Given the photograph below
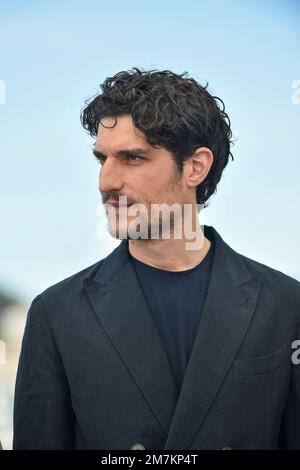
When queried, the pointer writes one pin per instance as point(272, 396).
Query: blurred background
point(53, 56)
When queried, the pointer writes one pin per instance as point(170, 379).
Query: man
point(170, 342)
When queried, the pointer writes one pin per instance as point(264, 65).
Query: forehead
point(121, 134)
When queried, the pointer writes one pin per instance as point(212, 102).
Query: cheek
point(153, 186)
point(142, 186)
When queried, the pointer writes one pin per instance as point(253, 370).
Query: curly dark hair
point(173, 111)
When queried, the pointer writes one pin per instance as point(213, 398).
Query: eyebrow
point(123, 152)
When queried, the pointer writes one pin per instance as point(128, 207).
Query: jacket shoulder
point(70, 284)
point(277, 278)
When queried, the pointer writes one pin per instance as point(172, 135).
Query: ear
point(197, 166)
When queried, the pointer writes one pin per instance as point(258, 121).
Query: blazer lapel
point(119, 304)
point(228, 309)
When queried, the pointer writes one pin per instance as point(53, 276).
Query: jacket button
point(227, 448)
point(137, 447)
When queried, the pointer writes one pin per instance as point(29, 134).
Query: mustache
point(115, 198)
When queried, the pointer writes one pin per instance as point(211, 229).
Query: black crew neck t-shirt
point(175, 300)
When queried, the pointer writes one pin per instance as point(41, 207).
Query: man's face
point(148, 176)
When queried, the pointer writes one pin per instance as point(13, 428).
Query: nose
point(110, 177)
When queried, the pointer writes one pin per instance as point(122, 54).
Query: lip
point(117, 205)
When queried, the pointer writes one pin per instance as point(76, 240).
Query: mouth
point(120, 206)
point(116, 205)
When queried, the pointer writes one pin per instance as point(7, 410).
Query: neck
point(172, 254)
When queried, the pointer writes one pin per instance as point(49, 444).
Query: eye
point(129, 157)
point(134, 157)
point(99, 159)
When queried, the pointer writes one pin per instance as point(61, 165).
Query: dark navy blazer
point(93, 373)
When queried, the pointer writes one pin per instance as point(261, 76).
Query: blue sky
point(55, 54)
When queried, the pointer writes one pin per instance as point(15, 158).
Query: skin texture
point(151, 180)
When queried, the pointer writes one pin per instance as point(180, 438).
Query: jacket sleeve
point(43, 415)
